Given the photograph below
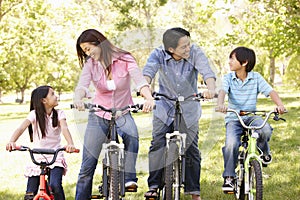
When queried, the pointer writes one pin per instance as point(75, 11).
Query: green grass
point(281, 178)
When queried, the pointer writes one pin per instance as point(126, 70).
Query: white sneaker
point(131, 184)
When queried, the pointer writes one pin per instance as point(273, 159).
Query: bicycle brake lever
point(276, 118)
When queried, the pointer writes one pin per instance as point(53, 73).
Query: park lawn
point(281, 178)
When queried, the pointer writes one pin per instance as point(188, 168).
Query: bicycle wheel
point(255, 181)
point(172, 176)
point(114, 176)
point(104, 189)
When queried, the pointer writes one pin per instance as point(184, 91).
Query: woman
point(110, 69)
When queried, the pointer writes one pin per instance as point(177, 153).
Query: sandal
point(152, 193)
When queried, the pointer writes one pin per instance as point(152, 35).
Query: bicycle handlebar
point(43, 151)
point(194, 97)
point(243, 113)
point(90, 106)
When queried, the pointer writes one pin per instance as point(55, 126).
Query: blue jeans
point(55, 183)
point(234, 130)
point(157, 156)
point(95, 136)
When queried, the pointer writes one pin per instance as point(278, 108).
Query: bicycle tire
point(255, 181)
point(104, 189)
point(114, 176)
point(171, 161)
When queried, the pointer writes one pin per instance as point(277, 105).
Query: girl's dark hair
point(36, 103)
point(243, 55)
point(172, 36)
point(94, 37)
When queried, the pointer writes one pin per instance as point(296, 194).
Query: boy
point(242, 87)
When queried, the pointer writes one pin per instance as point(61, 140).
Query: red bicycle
point(45, 189)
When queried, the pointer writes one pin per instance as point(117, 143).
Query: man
point(178, 64)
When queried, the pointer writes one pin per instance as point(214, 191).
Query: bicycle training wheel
point(255, 182)
point(172, 173)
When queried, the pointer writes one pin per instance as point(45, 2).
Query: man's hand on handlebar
point(209, 94)
point(221, 108)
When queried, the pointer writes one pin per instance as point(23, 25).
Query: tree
point(292, 73)
point(270, 25)
point(5, 8)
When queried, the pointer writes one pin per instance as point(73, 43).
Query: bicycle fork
point(113, 148)
point(180, 138)
point(251, 155)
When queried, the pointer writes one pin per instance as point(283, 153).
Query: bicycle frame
point(113, 177)
point(175, 166)
point(250, 157)
point(45, 190)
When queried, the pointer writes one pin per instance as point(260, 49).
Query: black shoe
point(228, 185)
point(266, 159)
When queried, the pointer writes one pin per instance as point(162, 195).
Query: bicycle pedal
point(151, 198)
point(96, 196)
point(131, 189)
point(228, 192)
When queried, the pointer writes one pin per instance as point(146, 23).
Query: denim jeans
point(157, 156)
point(95, 136)
point(55, 183)
point(234, 130)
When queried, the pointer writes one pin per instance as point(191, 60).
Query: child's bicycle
point(174, 170)
point(249, 181)
point(113, 177)
point(45, 189)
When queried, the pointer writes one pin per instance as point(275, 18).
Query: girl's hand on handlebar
point(10, 146)
point(70, 148)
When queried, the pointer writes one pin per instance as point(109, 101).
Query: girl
point(47, 123)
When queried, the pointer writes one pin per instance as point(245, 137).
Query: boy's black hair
point(172, 36)
point(243, 55)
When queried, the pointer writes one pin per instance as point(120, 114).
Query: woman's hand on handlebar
point(148, 105)
point(79, 105)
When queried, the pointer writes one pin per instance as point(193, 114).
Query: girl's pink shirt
point(123, 70)
point(51, 141)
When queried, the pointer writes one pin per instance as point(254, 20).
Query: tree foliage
point(292, 73)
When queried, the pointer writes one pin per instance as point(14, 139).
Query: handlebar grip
point(76, 151)
point(20, 148)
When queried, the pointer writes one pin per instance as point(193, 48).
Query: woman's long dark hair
point(98, 39)
point(36, 103)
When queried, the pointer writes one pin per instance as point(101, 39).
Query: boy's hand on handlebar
point(280, 109)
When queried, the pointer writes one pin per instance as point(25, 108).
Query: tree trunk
point(1, 96)
point(22, 96)
point(272, 69)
